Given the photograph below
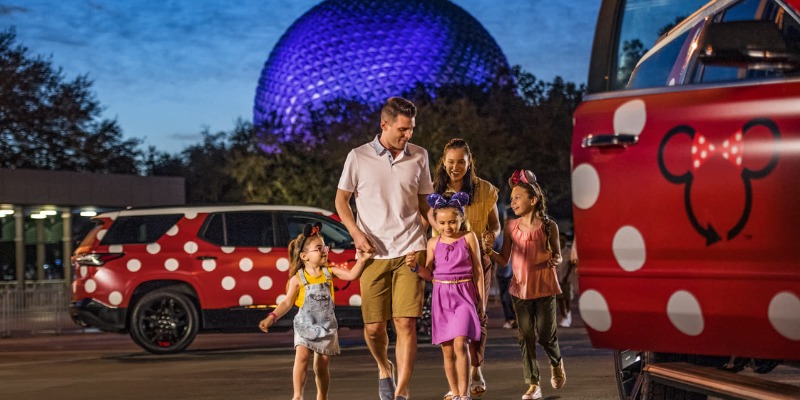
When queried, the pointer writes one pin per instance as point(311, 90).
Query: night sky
point(165, 70)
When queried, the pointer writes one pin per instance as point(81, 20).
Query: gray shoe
point(386, 386)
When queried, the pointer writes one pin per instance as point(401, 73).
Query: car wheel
point(632, 383)
point(164, 322)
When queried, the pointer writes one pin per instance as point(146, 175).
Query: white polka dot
point(265, 249)
point(701, 139)
point(245, 300)
point(280, 298)
point(594, 310)
point(337, 251)
point(630, 118)
point(190, 247)
point(115, 248)
point(173, 231)
point(134, 265)
point(209, 265)
point(684, 312)
point(153, 248)
point(265, 283)
point(694, 149)
point(83, 271)
point(246, 264)
point(90, 286)
point(696, 164)
point(228, 249)
point(585, 186)
point(101, 234)
point(190, 215)
point(784, 315)
point(282, 264)
point(355, 300)
point(629, 248)
point(228, 283)
point(115, 298)
point(171, 264)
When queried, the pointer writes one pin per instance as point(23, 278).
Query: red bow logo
point(730, 149)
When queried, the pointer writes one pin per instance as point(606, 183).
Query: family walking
point(389, 180)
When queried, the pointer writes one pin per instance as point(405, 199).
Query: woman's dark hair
point(441, 178)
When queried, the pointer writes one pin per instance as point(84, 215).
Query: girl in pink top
point(531, 242)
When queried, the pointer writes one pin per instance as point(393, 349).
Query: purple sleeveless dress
point(453, 310)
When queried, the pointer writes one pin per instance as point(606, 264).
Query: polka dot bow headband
point(458, 200)
point(522, 176)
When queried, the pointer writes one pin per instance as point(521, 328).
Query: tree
point(48, 122)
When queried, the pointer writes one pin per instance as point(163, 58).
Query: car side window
point(655, 71)
point(240, 229)
point(335, 235)
point(139, 229)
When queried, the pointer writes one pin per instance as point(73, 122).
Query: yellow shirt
point(477, 212)
point(301, 294)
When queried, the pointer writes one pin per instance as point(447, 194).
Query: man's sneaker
point(533, 393)
point(567, 321)
point(558, 376)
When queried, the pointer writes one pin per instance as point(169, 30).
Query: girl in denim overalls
point(310, 288)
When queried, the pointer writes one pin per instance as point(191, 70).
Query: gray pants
point(536, 319)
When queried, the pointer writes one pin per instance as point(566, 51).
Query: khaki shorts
point(390, 290)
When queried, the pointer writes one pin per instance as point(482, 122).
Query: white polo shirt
point(386, 192)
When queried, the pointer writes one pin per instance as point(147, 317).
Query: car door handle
point(610, 140)
point(206, 258)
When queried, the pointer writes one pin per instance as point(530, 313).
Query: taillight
point(96, 259)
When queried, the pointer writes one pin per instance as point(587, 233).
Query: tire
point(164, 322)
point(632, 384)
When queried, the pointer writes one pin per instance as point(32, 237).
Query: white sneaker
point(535, 392)
point(507, 325)
point(567, 321)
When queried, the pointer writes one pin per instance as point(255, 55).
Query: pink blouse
point(533, 276)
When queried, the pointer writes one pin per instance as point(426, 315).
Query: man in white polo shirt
point(390, 179)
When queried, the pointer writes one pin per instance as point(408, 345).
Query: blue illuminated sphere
point(370, 50)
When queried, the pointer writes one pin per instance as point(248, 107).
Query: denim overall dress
point(315, 325)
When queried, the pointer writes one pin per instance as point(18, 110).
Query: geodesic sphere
point(369, 51)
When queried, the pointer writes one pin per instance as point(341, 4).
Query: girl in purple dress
point(453, 263)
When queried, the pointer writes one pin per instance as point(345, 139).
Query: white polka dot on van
point(265, 249)
point(355, 300)
point(630, 118)
point(282, 264)
point(173, 231)
point(245, 264)
point(784, 314)
point(594, 310)
point(153, 248)
point(629, 248)
point(101, 234)
point(209, 265)
point(245, 300)
point(171, 264)
point(265, 283)
point(227, 249)
point(337, 251)
point(115, 248)
point(90, 286)
point(685, 313)
point(134, 265)
point(83, 271)
point(585, 186)
point(190, 247)
point(228, 283)
point(115, 298)
point(280, 298)
point(190, 215)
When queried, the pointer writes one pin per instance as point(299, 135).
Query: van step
point(717, 382)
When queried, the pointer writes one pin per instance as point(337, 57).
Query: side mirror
point(748, 44)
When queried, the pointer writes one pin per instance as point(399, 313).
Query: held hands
point(363, 243)
point(411, 261)
point(487, 241)
point(364, 255)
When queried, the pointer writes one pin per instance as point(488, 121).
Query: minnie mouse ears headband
point(309, 231)
point(522, 176)
point(458, 200)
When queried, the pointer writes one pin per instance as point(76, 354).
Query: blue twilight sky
point(167, 69)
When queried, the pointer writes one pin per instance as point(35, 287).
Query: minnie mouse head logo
point(717, 175)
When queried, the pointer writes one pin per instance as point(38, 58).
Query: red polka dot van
point(165, 274)
point(686, 153)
